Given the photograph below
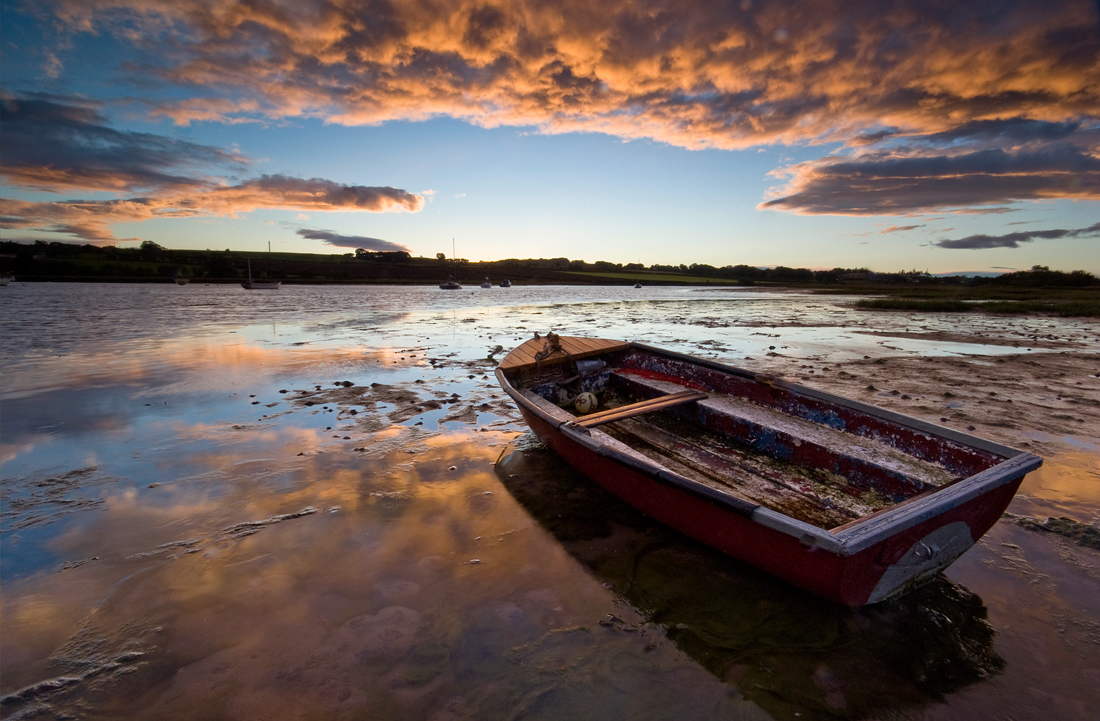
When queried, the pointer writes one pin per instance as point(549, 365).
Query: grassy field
point(646, 275)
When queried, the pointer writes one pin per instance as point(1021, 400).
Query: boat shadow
point(793, 654)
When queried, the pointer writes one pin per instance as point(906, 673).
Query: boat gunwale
point(846, 540)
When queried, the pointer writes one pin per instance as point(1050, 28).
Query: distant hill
point(970, 274)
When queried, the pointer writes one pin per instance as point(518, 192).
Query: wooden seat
point(637, 409)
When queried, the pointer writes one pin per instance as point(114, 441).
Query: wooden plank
point(574, 347)
point(783, 491)
point(636, 409)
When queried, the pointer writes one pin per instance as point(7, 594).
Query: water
point(180, 538)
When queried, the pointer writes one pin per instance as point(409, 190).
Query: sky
point(912, 135)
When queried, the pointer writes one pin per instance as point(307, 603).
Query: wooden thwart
point(636, 409)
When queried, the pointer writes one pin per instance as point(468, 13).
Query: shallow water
point(180, 538)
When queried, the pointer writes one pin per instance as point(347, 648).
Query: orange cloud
point(693, 74)
point(90, 220)
point(896, 84)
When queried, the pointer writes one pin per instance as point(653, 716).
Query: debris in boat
point(585, 403)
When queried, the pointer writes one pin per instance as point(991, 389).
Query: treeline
point(1040, 276)
point(152, 262)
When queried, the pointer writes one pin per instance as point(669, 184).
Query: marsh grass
point(1067, 309)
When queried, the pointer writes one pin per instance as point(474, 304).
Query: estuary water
point(315, 502)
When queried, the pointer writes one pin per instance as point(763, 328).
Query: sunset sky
point(941, 136)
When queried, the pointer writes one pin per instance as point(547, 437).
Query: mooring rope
point(551, 344)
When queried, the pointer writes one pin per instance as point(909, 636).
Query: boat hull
point(868, 561)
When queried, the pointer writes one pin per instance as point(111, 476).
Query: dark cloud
point(350, 241)
point(1018, 129)
point(892, 182)
point(1013, 240)
point(57, 146)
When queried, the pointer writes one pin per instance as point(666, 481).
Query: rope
point(550, 345)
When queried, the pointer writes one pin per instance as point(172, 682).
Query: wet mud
point(1083, 534)
point(322, 505)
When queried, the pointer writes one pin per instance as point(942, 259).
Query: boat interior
point(766, 441)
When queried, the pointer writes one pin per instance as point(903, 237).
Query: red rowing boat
point(848, 501)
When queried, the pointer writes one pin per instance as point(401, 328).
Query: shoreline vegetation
point(1039, 290)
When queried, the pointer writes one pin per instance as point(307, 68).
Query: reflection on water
point(787, 651)
point(218, 504)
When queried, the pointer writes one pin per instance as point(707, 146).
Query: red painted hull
point(848, 580)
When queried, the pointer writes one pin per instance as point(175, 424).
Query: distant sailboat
point(452, 282)
point(5, 279)
point(637, 285)
point(485, 283)
point(259, 285)
point(505, 283)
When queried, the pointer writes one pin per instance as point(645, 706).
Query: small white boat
point(637, 285)
point(259, 285)
point(485, 283)
point(5, 279)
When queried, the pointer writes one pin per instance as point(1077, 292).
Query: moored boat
point(452, 281)
point(505, 283)
point(485, 283)
point(852, 502)
point(257, 284)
